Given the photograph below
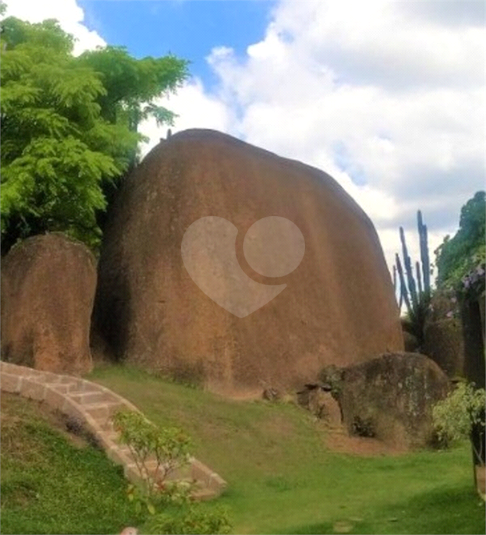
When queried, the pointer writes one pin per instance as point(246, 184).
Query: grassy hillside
point(53, 481)
point(283, 479)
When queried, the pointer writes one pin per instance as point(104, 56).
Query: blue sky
point(188, 29)
point(387, 96)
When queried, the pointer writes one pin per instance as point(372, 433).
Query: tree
point(131, 89)
point(459, 255)
point(132, 85)
point(69, 127)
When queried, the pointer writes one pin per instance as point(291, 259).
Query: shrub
point(455, 416)
point(190, 519)
point(170, 448)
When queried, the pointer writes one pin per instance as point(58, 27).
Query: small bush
point(189, 519)
point(456, 415)
point(170, 447)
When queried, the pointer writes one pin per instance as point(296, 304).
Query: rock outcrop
point(48, 288)
point(337, 306)
point(444, 344)
point(321, 402)
point(443, 334)
point(391, 398)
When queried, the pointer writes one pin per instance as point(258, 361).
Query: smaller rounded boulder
point(391, 398)
point(48, 287)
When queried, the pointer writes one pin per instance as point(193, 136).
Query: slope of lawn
point(282, 478)
point(54, 482)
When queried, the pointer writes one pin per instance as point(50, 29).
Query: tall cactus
point(419, 278)
point(403, 287)
point(424, 251)
point(412, 288)
point(395, 286)
point(414, 283)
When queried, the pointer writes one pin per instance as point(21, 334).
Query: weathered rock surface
point(410, 342)
point(444, 344)
point(48, 287)
point(317, 399)
point(391, 398)
point(338, 306)
point(443, 333)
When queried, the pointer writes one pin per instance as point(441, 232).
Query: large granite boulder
point(391, 398)
point(48, 287)
point(337, 307)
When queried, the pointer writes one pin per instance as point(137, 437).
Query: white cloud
point(386, 97)
point(67, 12)
point(195, 109)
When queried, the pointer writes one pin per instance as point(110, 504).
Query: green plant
point(191, 519)
point(456, 415)
point(415, 288)
point(168, 448)
point(459, 255)
point(69, 127)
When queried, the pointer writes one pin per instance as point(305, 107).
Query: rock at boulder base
point(337, 307)
point(410, 342)
point(391, 398)
point(321, 403)
point(48, 287)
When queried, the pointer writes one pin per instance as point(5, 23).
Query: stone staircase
point(91, 406)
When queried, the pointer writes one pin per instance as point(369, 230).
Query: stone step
point(45, 377)
point(112, 436)
point(54, 378)
point(86, 386)
point(103, 411)
point(107, 426)
point(89, 398)
point(64, 387)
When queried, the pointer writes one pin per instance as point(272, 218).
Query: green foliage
point(69, 127)
point(168, 446)
point(455, 416)
point(132, 85)
point(459, 255)
point(189, 520)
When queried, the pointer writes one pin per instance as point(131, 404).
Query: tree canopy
point(70, 126)
point(460, 254)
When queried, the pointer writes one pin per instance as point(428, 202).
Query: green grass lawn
point(283, 479)
point(281, 476)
